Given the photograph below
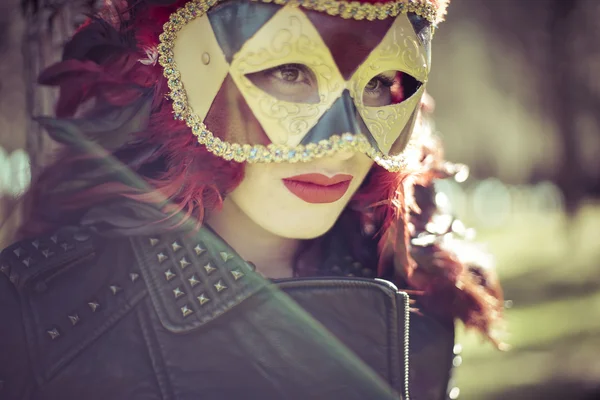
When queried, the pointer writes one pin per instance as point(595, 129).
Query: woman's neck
point(273, 255)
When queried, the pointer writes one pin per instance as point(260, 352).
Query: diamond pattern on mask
point(400, 50)
point(236, 22)
point(287, 38)
point(201, 63)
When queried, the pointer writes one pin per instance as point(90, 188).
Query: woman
point(230, 252)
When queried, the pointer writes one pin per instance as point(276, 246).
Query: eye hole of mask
point(389, 87)
point(295, 83)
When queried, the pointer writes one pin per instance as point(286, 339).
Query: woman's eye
point(289, 74)
point(373, 84)
point(378, 91)
point(380, 83)
point(288, 82)
point(389, 87)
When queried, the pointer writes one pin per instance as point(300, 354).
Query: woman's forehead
point(349, 41)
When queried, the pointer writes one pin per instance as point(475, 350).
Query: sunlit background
point(518, 100)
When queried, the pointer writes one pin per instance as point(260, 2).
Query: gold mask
point(197, 67)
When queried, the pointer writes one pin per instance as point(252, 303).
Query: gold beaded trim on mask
point(359, 11)
point(302, 153)
point(276, 153)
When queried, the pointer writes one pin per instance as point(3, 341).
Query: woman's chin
point(304, 231)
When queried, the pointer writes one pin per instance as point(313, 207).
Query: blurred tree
point(516, 81)
point(49, 24)
point(568, 98)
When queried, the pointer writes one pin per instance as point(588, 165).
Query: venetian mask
point(301, 91)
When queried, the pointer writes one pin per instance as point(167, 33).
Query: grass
point(549, 266)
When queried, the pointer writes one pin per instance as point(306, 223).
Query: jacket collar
point(193, 278)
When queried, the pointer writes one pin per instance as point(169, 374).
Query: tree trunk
point(571, 174)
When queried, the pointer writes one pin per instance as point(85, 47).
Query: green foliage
point(549, 268)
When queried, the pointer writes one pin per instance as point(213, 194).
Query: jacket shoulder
point(28, 258)
point(15, 371)
point(66, 289)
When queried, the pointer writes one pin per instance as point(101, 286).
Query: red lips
point(318, 188)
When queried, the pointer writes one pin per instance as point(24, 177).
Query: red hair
point(192, 180)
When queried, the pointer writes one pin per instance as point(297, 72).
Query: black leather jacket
point(180, 317)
